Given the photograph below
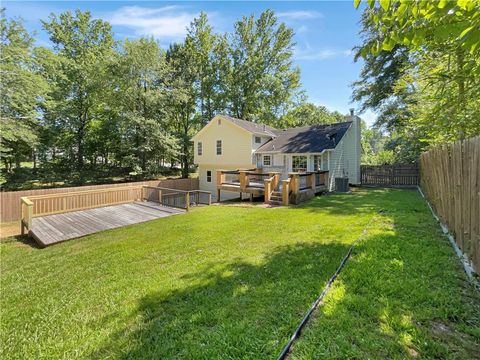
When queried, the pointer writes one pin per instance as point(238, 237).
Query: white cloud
point(300, 15)
point(311, 54)
point(164, 22)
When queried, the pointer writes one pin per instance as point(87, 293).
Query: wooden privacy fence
point(451, 182)
point(42, 205)
point(401, 175)
point(10, 201)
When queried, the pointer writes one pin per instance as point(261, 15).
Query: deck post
point(30, 216)
point(187, 200)
point(285, 192)
point(220, 177)
point(159, 196)
point(312, 180)
point(209, 198)
point(242, 176)
point(267, 187)
point(294, 183)
point(218, 195)
point(22, 224)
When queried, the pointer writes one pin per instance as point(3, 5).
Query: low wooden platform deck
point(52, 229)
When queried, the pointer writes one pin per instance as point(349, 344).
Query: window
point(219, 147)
point(258, 140)
point(199, 148)
point(267, 160)
point(299, 163)
point(209, 176)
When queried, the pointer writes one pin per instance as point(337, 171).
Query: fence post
point(187, 200)
point(209, 198)
point(159, 196)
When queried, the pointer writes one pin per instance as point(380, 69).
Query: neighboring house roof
point(255, 128)
point(306, 139)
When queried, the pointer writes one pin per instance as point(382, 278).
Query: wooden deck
point(52, 229)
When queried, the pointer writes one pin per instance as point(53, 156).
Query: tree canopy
point(421, 72)
point(89, 107)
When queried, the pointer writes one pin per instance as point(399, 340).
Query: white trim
point(270, 157)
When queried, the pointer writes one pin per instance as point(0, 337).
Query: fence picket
point(10, 209)
point(450, 179)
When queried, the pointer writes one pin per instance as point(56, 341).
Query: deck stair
point(276, 198)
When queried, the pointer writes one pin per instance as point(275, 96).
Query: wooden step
point(275, 202)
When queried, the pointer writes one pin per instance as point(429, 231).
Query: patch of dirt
point(413, 353)
point(9, 229)
point(456, 339)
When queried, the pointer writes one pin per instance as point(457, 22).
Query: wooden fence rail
point(10, 201)
point(401, 175)
point(451, 182)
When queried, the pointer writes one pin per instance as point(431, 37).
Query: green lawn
point(231, 282)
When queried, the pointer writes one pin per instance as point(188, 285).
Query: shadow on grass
point(240, 310)
point(403, 293)
point(21, 239)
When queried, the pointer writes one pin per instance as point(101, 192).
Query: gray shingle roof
point(306, 139)
point(253, 127)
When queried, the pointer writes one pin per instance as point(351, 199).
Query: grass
point(227, 282)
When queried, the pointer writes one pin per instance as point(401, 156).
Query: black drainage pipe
point(300, 326)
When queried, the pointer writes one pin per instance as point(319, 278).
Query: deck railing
point(42, 205)
point(315, 180)
point(249, 181)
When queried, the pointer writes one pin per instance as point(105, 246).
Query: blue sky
point(325, 33)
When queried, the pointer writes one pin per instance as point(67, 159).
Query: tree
point(141, 72)
point(86, 46)
point(202, 44)
point(22, 90)
point(417, 24)
point(421, 71)
point(261, 79)
point(181, 99)
point(309, 114)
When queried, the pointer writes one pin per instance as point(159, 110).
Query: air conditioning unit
point(341, 184)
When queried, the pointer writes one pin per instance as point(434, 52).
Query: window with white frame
point(219, 147)
point(209, 176)
point(299, 163)
point(258, 140)
point(267, 160)
point(199, 148)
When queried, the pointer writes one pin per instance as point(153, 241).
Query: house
point(228, 150)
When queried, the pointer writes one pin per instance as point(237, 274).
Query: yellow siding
point(212, 185)
point(236, 145)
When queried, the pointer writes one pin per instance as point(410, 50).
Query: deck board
point(52, 229)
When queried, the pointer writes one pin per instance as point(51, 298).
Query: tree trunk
point(80, 138)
